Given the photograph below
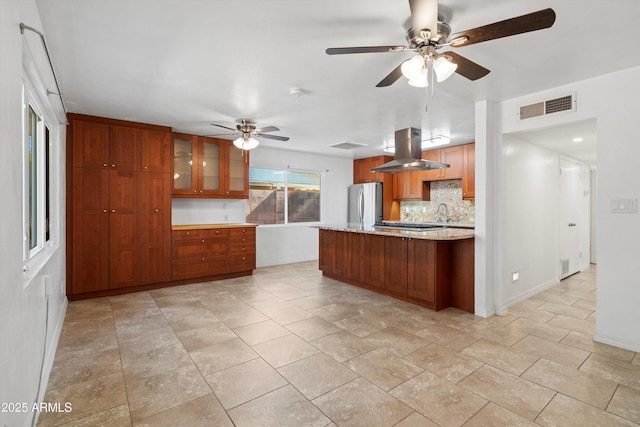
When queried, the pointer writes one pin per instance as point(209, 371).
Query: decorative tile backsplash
point(447, 192)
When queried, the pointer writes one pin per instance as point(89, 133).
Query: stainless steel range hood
point(408, 155)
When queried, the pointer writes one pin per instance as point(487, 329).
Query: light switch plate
point(624, 205)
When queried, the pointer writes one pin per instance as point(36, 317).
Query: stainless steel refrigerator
point(365, 203)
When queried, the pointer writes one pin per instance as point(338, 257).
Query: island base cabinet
point(427, 271)
point(432, 273)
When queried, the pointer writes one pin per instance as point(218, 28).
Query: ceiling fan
point(428, 35)
point(247, 130)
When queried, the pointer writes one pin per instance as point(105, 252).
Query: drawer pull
point(188, 232)
point(202, 240)
point(244, 240)
point(217, 231)
point(244, 230)
point(202, 259)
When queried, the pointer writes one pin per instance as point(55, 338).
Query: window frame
point(44, 168)
point(286, 172)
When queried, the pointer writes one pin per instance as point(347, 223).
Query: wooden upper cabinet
point(124, 148)
point(453, 156)
point(90, 144)
point(209, 167)
point(184, 175)
point(156, 151)
point(410, 185)
point(469, 175)
point(362, 169)
point(236, 178)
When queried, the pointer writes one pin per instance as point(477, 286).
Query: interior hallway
point(288, 347)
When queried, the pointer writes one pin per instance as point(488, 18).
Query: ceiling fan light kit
point(248, 133)
point(428, 35)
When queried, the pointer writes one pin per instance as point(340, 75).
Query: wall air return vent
point(550, 106)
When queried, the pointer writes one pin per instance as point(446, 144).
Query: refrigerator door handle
point(361, 205)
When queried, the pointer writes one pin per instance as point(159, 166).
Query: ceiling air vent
point(347, 145)
point(550, 106)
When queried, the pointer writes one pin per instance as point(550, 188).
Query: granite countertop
point(211, 226)
point(445, 233)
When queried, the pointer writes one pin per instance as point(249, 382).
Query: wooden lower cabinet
point(395, 265)
point(212, 252)
point(433, 273)
point(374, 260)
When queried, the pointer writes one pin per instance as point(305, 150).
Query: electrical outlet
point(515, 276)
point(226, 218)
point(424, 209)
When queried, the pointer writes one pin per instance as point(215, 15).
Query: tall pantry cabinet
point(118, 204)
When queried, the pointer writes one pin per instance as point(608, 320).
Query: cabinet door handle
point(104, 165)
point(202, 240)
point(105, 211)
point(244, 240)
point(157, 210)
point(145, 168)
point(188, 232)
point(217, 231)
point(244, 230)
point(202, 259)
point(243, 249)
point(113, 211)
point(113, 166)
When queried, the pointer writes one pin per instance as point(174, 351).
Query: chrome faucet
point(446, 212)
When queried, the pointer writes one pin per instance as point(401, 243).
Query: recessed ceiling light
point(578, 139)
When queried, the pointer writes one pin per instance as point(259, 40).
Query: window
point(36, 175)
point(283, 196)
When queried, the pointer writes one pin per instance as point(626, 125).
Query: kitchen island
point(432, 268)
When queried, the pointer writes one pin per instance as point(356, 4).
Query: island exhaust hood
point(408, 156)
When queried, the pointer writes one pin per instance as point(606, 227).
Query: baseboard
point(271, 263)
point(616, 342)
point(50, 353)
point(531, 292)
point(483, 313)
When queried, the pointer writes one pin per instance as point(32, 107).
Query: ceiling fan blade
point(424, 15)
point(267, 129)
point(225, 127)
point(391, 77)
point(521, 24)
point(364, 49)
point(466, 67)
point(279, 138)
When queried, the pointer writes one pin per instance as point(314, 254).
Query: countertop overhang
point(211, 226)
point(443, 233)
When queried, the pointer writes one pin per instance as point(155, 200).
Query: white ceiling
point(189, 63)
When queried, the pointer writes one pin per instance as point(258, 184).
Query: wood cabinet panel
point(355, 265)
point(155, 221)
point(395, 265)
point(469, 174)
point(90, 144)
point(124, 148)
point(191, 268)
point(410, 186)
point(90, 242)
point(362, 174)
point(326, 252)
point(453, 157)
point(124, 229)
point(421, 258)
point(434, 156)
point(156, 151)
point(374, 260)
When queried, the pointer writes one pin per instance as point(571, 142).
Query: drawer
point(243, 247)
point(247, 232)
point(199, 248)
point(186, 234)
point(243, 262)
point(208, 266)
point(215, 232)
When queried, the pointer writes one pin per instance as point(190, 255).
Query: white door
point(573, 217)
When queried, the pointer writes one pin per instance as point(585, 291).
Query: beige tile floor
point(288, 347)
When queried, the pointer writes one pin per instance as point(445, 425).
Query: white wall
point(31, 300)
point(282, 244)
point(206, 211)
point(610, 100)
point(531, 234)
